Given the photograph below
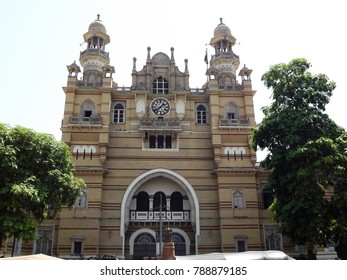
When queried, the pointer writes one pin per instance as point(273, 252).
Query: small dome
point(97, 25)
point(222, 29)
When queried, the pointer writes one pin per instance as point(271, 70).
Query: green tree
point(36, 180)
point(307, 155)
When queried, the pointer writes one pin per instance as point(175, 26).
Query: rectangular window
point(168, 139)
point(238, 200)
point(157, 141)
point(241, 243)
point(88, 113)
point(81, 201)
point(160, 142)
point(77, 248)
point(44, 243)
point(231, 116)
point(273, 238)
point(152, 141)
point(77, 244)
point(267, 197)
point(241, 246)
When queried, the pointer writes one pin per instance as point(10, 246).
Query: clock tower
point(158, 154)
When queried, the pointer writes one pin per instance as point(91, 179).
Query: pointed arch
point(231, 111)
point(87, 108)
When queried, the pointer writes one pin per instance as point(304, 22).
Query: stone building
point(159, 153)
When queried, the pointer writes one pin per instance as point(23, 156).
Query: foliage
point(307, 155)
point(36, 180)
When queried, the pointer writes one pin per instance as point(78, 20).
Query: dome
point(222, 29)
point(97, 25)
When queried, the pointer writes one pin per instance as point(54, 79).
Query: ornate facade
point(159, 153)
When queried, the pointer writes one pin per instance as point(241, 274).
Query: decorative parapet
point(85, 121)
point(144, 216)
point(158, 124)
point(233, 122)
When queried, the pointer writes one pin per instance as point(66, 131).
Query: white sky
point(39, 38)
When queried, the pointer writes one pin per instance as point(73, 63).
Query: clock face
point(160, 106)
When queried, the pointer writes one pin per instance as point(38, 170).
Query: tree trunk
point(1, 237)
point(310, 254)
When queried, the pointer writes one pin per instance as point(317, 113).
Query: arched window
point(180, 244)
point(201, 115)
point(238, 200)
point(144, 246)
point(159, 200)
point(142, 201)
point(176, 201)
point(118, 113)
point(160, 86)
point(87, 109)
point(82, 201)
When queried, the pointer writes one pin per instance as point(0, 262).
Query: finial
point(148, 53)
point(172, 54)
point(98, 17)
point(221, 20)
point(134, 64)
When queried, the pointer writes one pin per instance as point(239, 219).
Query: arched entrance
point(154, 188)
point(144, 246)
point(180, 244)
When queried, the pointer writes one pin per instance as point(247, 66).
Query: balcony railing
point(88, 121)
point(95, 52)
point(85, 84)
point(155, 124)
point(233, 122)
point(144, 216)
point(225, 54)
point(197, 91)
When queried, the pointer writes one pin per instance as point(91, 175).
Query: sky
point(40, 38)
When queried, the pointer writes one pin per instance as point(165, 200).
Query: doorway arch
point(169, 174)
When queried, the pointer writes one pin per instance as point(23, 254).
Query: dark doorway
point(144, 246)
point(180, 244)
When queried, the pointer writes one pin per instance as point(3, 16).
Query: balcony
point(85, 121)
point(160, 124)
point(229, 54)
point(225, 123)
point(95, 52)
point(145, 216)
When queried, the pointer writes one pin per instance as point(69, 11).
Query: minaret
point(94, 58)
point(224, 62)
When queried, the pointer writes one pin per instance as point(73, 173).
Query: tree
point(307, 155)
point(36, 180)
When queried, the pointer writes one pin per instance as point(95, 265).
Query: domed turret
point(94, 58)
point(222, 29)
point(97, 25)
point(224, 62)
